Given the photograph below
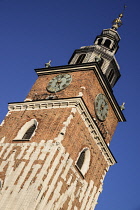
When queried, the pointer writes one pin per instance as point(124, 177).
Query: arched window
point(107, 43)
point(110, 76)
point(100, 41)
point(83, 161)
point(81, 58)
point(81, 158)
point(27, 130)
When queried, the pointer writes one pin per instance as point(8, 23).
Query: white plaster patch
point(8, 151)
point(2, 140)
point(64, 196)
point(73, 110)
point(45, 150)
point(56, 163)
point(91, 199)
point(60, 137)
point(56, 195)
point(28, 99)
point(95, 199)
point(2, 123)
point(83, 190)
point(83, 87)
point(67, 168)
point(70, 179)
point(83, 206)
point(8, 113)
point(24, 147)
point(80, 94)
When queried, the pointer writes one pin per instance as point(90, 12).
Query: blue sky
point(32, 32)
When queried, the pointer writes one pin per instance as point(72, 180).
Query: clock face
point(59, 83)
point(101, 106)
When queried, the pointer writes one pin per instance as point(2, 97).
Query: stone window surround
point(86, 162)
point(24, 128)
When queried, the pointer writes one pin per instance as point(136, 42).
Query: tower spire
point(118, 22)
point(103, 52)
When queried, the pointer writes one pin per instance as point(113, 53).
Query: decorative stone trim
point(44, 104)
point(24, 128)
point(70, 103)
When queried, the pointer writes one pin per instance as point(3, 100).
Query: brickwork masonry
point(43, 176)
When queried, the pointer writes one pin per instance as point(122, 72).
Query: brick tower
point(54, 146)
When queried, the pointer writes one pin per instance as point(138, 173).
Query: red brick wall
point(86, 79)
point(50, 123)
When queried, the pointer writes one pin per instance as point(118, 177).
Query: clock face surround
point(101, 106)
point(59, 83)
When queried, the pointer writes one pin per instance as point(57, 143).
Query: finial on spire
point(118, 22)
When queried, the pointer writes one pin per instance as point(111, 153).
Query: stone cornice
point(65, 69)
point(70, 103)
point(101, 78)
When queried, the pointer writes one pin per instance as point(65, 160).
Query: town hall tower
point(54, 146)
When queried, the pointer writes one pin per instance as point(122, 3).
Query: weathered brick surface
point(49, 121)
point(36, 170)
point(77, 137)
point(84, 82)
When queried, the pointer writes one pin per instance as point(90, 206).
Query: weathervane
point(118, 22)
